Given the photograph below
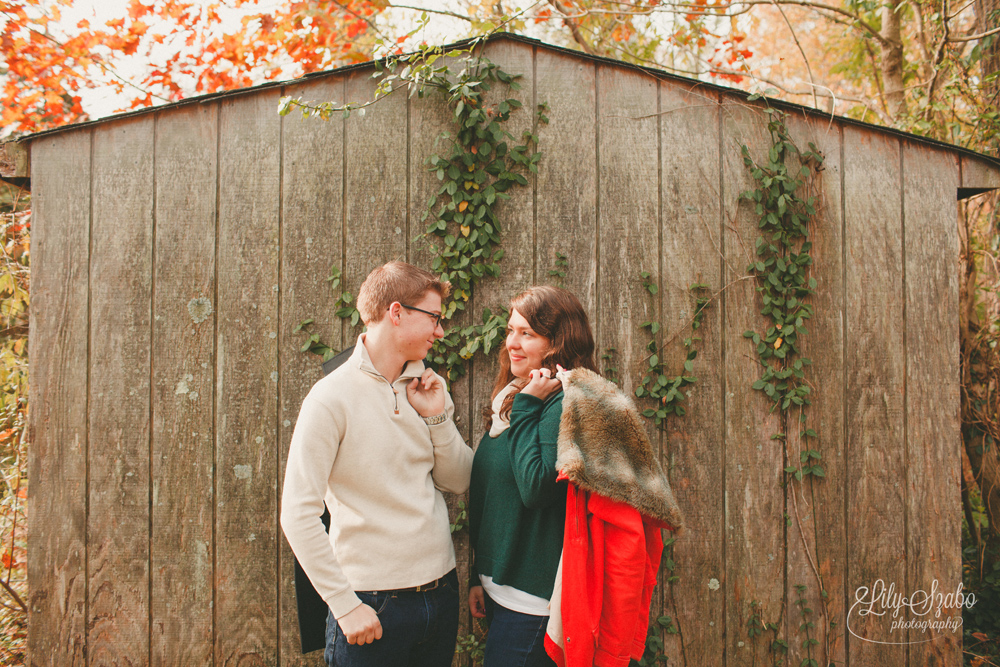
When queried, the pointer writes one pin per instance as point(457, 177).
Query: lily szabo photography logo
point(926, 614)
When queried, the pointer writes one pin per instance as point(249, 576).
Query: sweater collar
point(361, 360)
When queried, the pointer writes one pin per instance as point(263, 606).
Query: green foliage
point(482, 163)
point(665, 390)
point(461, 518)
point(561, 267)
point(474, 644)
point(15, 225)
point(806, 627)
point(608, 360)
point(653, 654)
point(781, 270)
point(980, 577)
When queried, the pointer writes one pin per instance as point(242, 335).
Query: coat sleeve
point(534, 430)
point(624, 576)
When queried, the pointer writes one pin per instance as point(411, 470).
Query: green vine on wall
point(483, 161)
point(781, 270)
point(668, 391)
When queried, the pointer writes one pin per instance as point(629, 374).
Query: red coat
point(611, 554)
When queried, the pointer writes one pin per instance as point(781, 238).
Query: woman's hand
point(477, 602)
point(541, 384)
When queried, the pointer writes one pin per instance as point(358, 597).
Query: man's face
point(418, 330)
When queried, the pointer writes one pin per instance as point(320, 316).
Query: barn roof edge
point(658, 73)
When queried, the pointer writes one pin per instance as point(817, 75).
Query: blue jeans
point(418, 630)
point(515, 639)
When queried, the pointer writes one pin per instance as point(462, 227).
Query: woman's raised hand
point(541, 384)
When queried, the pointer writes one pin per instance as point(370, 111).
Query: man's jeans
point(418, 630)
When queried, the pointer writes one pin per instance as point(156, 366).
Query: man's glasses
point(437, 316)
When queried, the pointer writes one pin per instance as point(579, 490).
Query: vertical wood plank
point(754, 500)
point(516, 215)
point(311, 240)
point(567, 174)
point(119, 402)
point(876, 475)
point(628, 217)
point(57, 503)
point(183, 344)
point(933, 437)
point(628, 224)
point(246, 382)
point(692, 232)
point(375, 173)
point(816, 532)
point(429, 117)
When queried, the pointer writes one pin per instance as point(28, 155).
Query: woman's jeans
point(418, 630)
point(515, 639)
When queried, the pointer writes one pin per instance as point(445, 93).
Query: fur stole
point(603, 447)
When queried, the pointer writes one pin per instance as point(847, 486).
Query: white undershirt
point(515, 599)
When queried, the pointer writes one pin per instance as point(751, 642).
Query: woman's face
point(525, 347)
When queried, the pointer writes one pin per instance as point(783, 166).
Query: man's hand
point(360, 625)
point(477, 602)
point(426, 394)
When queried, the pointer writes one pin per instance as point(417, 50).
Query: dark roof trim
point(659, 74)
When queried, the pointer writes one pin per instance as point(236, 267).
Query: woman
point(516, 507)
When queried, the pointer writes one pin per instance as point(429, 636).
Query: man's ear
point(395, 310)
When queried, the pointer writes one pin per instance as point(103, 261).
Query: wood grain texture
point(516, 215)
point(183, 429)
point(754, 502)
point(375, 172)
point(876, 474)
point(692, 453)
point(246, 382)
point(567, 174)
point(119, 401)
point(311, 240)
point(816, 532)
point(429, 117)
point(933, 382)
point(977, 173)
point(57, 464)
point(628, 217)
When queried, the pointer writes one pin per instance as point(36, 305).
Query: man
point(376, 440)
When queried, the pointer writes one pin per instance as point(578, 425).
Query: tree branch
point(812, 81)
point(824, 7)
point(972, 38)
point(574, 28)
point(431, 11)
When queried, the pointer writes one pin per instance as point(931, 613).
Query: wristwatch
point(436, 419)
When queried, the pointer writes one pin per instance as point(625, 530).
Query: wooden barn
point(176, 249)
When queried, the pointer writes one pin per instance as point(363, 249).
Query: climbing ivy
point(668, 391)
point(483, 161)
point(781, 270)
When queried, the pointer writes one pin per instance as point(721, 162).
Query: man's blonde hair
point(396, 281)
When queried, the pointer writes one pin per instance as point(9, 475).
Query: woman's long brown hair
point(558, 315)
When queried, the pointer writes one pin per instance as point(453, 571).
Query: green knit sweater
point(516, 508)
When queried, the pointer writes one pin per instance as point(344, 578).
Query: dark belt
point(417, 589)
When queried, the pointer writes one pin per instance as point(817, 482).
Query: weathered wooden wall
point(175, 253)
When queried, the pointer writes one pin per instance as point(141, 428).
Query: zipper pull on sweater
point(395, 400)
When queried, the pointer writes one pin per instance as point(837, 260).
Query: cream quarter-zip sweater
point(359, 445)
